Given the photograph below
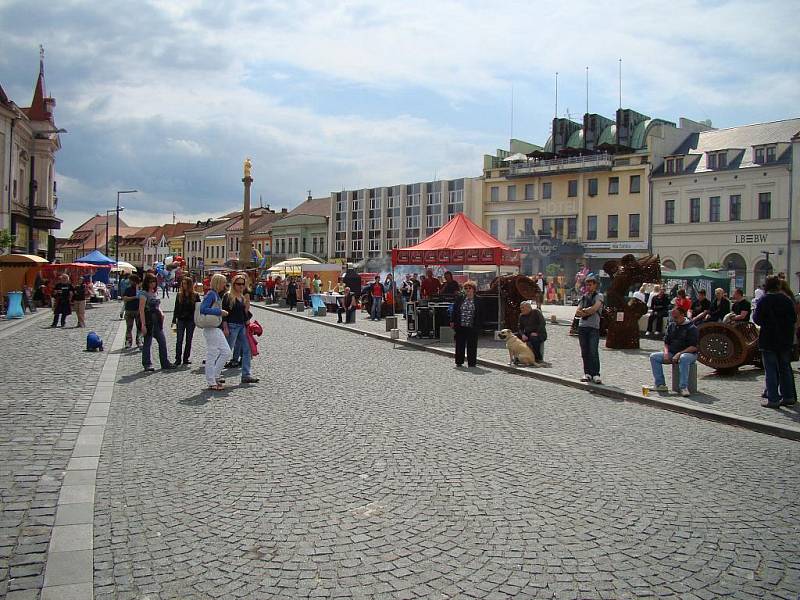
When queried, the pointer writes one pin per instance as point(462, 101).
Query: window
point(633, 225)
point(510, 229)
point(558, 231)
point(770, 154)
point(722, 160)
point(528, 226)
point(694, 210)
point(593, 187)
point(636, 184)
point(494, 194)
point(314, 245)
point(679, 165)
point(764, 205)
point(547, 227)
point(613, 226)
point(572, 188)
point(591, 228)
point(493, 227)
point(711, 161)
point(759, 156)
point(529, 187)
point(547, 191)
point(669, 212)
point(511, 193)
point(357, 246)
point(572, 228)
point(613, 185)
point(735, 213)
point(713, 209)
point(669, 165)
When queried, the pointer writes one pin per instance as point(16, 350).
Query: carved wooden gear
point(727, 346)
point(513, 290)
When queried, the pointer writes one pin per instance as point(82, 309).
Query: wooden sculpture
point(514, 289)
point(728, 346)
point(620, 317)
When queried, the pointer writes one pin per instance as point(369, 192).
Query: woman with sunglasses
point(217, 349)
point(234, 325)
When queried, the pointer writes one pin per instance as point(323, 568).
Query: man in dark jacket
point(531, 328)
point(467, 321)
point(680, 346)
point(775, 313)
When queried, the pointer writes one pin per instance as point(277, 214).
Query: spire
point(41, 105)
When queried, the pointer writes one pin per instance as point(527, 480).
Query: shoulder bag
point(206, 321)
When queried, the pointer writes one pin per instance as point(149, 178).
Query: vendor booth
point(698, 279)
point(459, 244)
point(18, 270)
point(292, 266)
point(328, 273)
point(101, 262)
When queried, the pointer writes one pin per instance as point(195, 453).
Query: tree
point(6, 240)
point(714, 265)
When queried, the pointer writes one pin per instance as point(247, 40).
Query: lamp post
point(117, 210)
point(116, 246)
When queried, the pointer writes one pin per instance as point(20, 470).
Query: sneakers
point(661, 388)
point(596, 379)
point(768, 404)
point(685, 392)
point(250, 380)
point(586, 378)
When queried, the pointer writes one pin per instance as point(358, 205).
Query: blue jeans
point(589, 339)
point(237, 332)
point(684, 364)
point(779, 376)
point(155, 331)
point(375, 309)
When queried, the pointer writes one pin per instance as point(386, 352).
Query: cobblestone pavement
point(47, 382)
point(739, 394)
point(356, 469)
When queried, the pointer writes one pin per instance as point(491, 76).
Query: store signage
point(750, 238)
point(615, 245)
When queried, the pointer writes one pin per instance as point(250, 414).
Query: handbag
point(206, 321)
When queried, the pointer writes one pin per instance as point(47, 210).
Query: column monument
point(245, 246)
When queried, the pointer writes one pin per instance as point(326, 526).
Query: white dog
point(518, 351)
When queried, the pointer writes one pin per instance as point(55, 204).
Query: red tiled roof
point(316, 206)
point(39, 109)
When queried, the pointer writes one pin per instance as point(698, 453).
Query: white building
point(727, 196)
point(369, 222)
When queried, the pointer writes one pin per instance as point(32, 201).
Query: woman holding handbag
point(237, 305)
point(218, 351)
point(152, 324)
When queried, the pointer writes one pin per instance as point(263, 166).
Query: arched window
point(694, 260)
point(761, 270)
point(668, 265)
point(735, 262)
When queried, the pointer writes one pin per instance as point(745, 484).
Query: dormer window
point(674, 165)
point(717, 160)
point(765, 154)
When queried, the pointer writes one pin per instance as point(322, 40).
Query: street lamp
point(116, 248)
point(118, 210)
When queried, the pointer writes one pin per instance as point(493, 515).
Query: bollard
point(394, 334)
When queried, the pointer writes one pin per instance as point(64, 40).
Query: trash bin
point(14, 306)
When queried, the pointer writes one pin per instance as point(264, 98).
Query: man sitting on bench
point(680, 347)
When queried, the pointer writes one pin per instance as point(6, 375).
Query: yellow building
point(583, 198)
point(214, 248)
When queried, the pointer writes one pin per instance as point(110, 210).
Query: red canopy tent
point(460, 242)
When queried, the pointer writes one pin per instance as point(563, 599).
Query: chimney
point(309, 196)
point(284, 211)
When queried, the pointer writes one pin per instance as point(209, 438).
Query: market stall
point(18, 270)
point(698, 279)
point(328, 273)
point(101, 262)
point(459, 244)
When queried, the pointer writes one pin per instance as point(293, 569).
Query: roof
point(315, 206)
point(460, 234)
point(742, 138)
point(264, 223)
point(175, 229)
point(140, 235)
point(91, 223)
point(221, 227)
point(39, 110)
point(3, 98)
point(268, 217)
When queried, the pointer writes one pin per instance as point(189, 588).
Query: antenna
point(587, 90)
point(620, 84)
point(173, 217)
point(556, 113)
point(511, 136)
point(261, 200)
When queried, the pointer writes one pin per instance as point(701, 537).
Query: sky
point(169, 98)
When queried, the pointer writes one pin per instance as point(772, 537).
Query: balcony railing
point(573, 163)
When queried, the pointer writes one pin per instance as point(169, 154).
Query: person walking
point(377, 293)
point(183, 319)
point(775, 314)
point(588, 312)
point(467, 321)
point(79, 300)
point(62, 295)
point(218, 352)
point(234, 324)
point(291, 293)
point(680, 347)
point(130, 302)
point(151, 318)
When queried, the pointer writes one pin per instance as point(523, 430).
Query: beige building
point(584, 197)
point(28, 144)
point(370, 222)
point(723, 199)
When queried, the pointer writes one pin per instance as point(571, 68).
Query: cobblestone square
point(362, 469)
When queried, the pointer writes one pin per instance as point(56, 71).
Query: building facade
point(583, 198)
point(29, 140)
point(725, 199)
point(304, 230)
point(370, 222)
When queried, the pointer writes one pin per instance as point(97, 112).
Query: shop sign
point(431, 257)
point(472, 256)
point(444, 257)
point(615, 245)
point(750, 238)
point(458, 257)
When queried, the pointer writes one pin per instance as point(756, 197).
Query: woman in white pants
point(218, 352)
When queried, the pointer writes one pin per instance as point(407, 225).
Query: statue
point(513, 289)
point(620, 318)
point(247, 166)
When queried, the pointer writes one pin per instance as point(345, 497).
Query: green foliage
point(553, 269)
point(6, 239)
point(714, 265)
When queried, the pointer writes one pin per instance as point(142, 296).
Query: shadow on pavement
point(133, 377)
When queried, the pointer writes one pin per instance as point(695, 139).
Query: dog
point(518, 351)
point(93, 342)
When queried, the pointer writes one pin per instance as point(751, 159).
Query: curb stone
point(784, 431)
